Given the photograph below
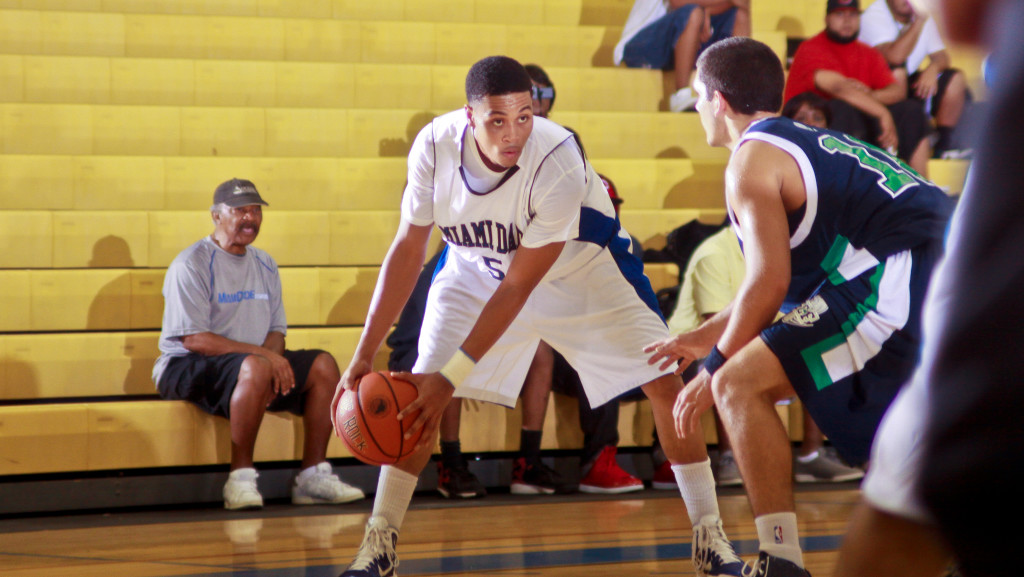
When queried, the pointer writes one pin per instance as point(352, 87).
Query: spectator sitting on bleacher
point(670, 34)
point(906, 38)
point(223, 348)
point(865, 100)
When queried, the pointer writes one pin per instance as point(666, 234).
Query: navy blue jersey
point(863, 205)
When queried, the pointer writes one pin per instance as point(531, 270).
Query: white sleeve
point(930, 38)
point(556, 197)
point(877, 26)
point(418, 198)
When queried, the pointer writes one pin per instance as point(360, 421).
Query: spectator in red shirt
point(865, 99)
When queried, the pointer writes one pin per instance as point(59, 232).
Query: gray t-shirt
point(208, 289)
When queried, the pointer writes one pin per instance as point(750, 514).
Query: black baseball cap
point(834, 5)
point(237, 192)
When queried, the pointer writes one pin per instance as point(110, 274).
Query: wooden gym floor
point(642, 534)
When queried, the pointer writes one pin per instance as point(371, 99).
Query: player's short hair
point(495, 76)
point(747, 73)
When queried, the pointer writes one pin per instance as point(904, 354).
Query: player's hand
point(682, 349)
point(692, 402)
point(349, 378)
point(435, 392)
point(927, 84)
point(887, 136)
point(706, 30)
point(283, 379)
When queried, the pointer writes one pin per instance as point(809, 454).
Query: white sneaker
point(320, 485)
point(240, 491)
point(682, 99)
point(376, 556)
point(713, 555)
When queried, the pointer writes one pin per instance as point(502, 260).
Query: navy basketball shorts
point(848, 349)
point(209, 381)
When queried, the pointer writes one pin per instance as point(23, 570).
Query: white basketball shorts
point(595, 317)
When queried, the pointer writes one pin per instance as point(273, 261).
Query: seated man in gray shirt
point(223, 348)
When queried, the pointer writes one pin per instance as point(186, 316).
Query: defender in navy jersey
point(534, 252)
point(842, 238)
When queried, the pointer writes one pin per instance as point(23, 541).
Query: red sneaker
point(606, 476)
point(664, 478)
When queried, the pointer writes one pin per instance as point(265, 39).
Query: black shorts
point(848, 349)
point(209, 382)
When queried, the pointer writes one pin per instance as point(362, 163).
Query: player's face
point(713, 126)
point(501, 126)
point(238, 227)
point(843, 23)
point(900, 8)
point(810, 116)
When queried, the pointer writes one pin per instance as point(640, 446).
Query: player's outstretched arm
point(395, 283)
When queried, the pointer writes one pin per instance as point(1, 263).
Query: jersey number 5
point(494, 265)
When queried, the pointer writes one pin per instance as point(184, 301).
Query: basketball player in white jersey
point(534, 252)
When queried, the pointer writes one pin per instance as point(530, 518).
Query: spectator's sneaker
point(537, 479)
point(771, 566)
point(713, 554)
point(458, 482)
point(240, 490)
point(682, 100)
point(606, 476)
point(824, 468)
point(322, 486)
point(664, 478)
point(727, 472)
point(376, 556)
point(956, 154)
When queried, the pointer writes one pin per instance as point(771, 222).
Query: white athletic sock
point(394, 493)
point(777, 534)
point(697, 486)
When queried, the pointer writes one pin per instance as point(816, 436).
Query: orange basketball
point(367, 419)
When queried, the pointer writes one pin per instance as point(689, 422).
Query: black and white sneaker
point(376, 556)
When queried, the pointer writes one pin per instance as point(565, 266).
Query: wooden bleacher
point(119, 117)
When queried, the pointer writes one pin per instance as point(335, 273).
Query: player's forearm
point(939, 61)
point(495, 318)
point(395, 283)
point(753, 310)
point(897, 51)
point(274, 342)
point(211, 344)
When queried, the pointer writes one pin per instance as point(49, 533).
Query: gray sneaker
point(727, 473)
point(824, 468)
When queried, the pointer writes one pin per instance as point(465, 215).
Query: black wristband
point(713, 361)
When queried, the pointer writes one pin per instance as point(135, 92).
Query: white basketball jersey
point(545, 198)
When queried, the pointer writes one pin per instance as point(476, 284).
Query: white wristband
point(458, 368)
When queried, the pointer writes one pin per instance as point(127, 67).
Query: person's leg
point(882, 545)
point(530, 476)
point(249, 401)
point(319, 389)
point(746, 389)
point(687, 46)
point(912, 128)
point(952, 98)
point(712, 552)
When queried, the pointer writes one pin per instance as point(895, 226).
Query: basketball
point(367, 419)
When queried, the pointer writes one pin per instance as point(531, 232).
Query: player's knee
point(255, 376)
point(664, 389)
point(324, 372)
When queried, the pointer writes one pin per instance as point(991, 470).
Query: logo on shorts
point(806, 314)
